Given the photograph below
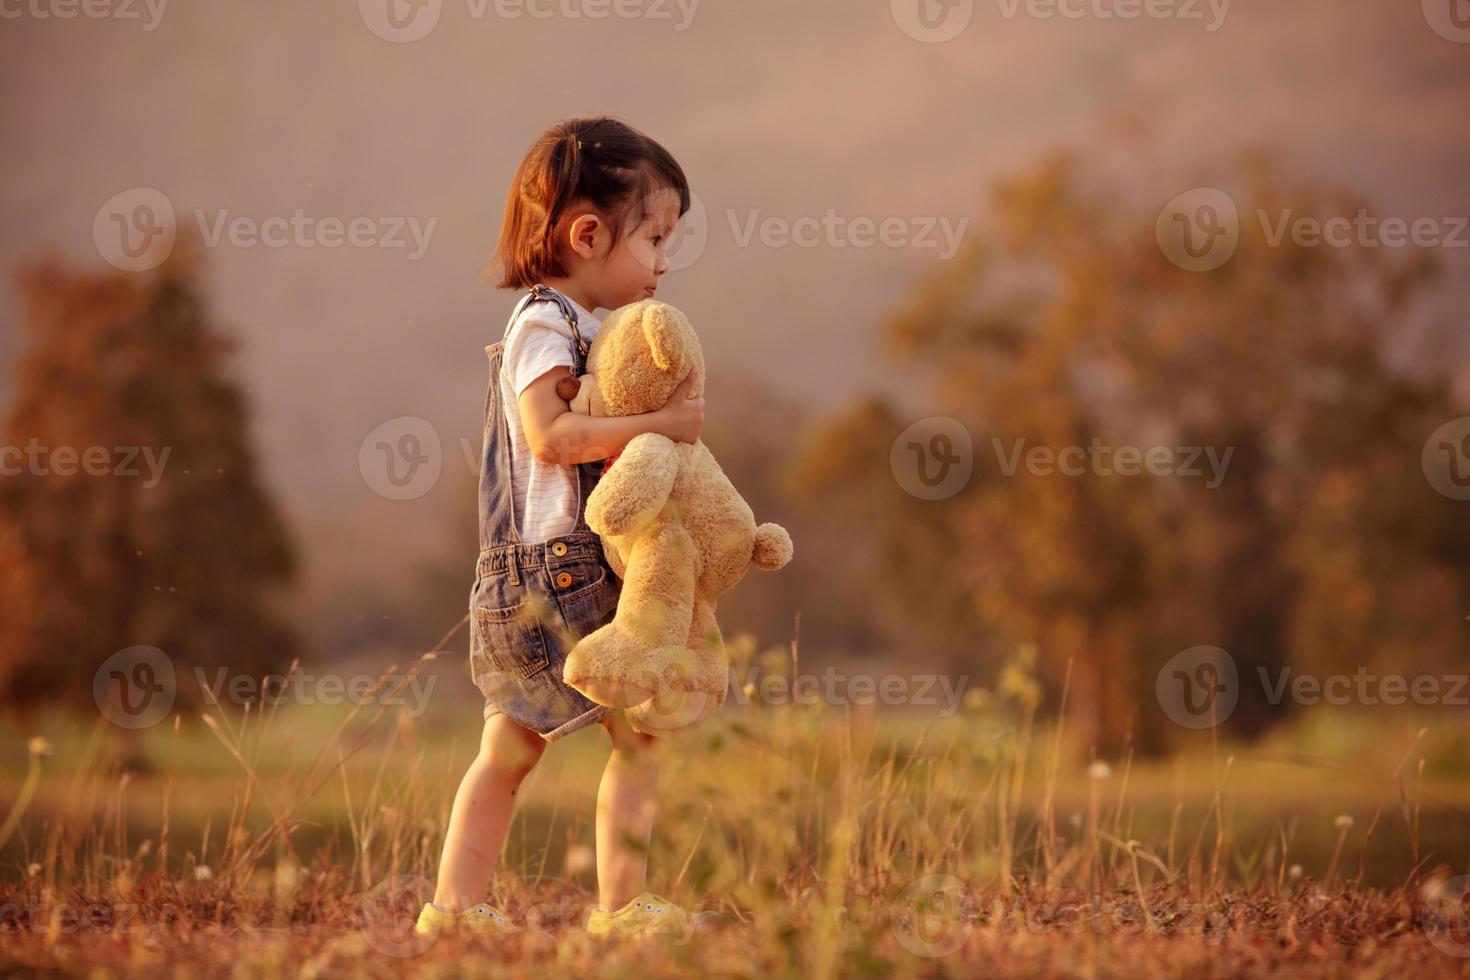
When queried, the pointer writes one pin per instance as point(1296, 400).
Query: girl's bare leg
point(481, 813)
point(625, 808)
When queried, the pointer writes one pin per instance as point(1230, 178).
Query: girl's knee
point(507, 746)
point(625, 738)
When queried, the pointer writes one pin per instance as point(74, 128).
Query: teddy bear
point(673, 529)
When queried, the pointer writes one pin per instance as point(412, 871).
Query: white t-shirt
point(545, 494)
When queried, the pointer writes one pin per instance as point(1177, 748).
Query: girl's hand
point(682, 417)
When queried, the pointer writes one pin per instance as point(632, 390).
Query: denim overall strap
point(580, 347)
point(498, 524)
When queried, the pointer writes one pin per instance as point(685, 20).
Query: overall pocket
point(508, 630)
point(591, 596)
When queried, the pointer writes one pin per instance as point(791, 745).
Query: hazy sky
point(776, 111)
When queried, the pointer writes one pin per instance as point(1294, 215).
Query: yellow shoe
point(646, 915)
point(480, 918)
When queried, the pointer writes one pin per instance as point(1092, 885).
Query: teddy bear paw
point(607, 666)
point(689, 686)
point(673, 712)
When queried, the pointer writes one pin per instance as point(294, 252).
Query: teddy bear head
point(641, 353)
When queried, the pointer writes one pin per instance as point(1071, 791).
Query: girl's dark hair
point(596, 159)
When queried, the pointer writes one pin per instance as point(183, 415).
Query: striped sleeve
point(534, 347)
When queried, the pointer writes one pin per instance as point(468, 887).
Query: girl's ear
point(582, 236)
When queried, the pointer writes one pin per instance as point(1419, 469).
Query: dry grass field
point(811, 840)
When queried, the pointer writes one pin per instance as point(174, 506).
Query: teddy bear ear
point(665, 342)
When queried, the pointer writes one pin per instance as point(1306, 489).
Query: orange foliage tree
point(131, 512)
point(1063, 324)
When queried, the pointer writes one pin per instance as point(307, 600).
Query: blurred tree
point(131, 512)
point(750, 430)
point(1064, 324)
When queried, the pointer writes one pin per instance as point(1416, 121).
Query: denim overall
point(531, 603)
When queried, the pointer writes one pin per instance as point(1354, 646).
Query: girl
point(586, 225)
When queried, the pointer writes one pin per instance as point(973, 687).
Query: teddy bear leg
point(705, 640)
point(701, 689)
point(624, 662)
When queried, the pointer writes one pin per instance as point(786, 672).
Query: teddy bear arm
point(637, 486)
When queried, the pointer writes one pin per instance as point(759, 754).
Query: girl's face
point(638, 261)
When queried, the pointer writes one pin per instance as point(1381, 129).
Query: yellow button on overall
point(563, 579)
point(559, 548)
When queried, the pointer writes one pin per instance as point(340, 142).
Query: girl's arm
point(558, 435)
